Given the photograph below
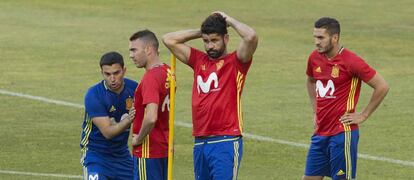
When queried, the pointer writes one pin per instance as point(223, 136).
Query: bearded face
point(215, 45)
point(323, 40)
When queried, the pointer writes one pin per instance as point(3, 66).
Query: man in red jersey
point(219, 78)
point(334, 82)
point(151, 101)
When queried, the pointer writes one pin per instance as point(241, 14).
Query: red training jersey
point(338, 83)
point(217, 90)
point(154, 88)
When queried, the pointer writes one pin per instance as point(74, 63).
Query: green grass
point(51, 49)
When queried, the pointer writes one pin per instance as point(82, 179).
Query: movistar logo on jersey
point(322, 90)
point(93, 177)
point(205, 86)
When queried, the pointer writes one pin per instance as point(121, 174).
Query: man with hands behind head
point(219, 78)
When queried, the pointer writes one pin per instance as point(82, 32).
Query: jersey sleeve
point(243, 66)
point(194, 55)
point(361, 69)
point(93, 106)
point(309, 68)
point(151, 89)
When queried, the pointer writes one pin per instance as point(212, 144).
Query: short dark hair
point(214, 23)
point(147, 36)
point(111, 58)
point(330, 24)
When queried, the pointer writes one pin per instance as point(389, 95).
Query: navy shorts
point(150, 168)
point(333, 156)
point(217, 157)
point(104, 170)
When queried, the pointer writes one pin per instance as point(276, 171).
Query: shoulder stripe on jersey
point(350, 106)
point(85, 141)
point(148, 147)
point(351, 97)
point(145, 147)
point(240, 81)
point(143, 150)
point(87, 130)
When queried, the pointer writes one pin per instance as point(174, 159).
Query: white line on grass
point(40, 174)
point(43, 99)
point(188, 125)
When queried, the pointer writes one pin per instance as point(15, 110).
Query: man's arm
point(381, 88)
point(175, 41)
point(151, 116)
point(310, 84)
point(109, 128)
point(249, 41)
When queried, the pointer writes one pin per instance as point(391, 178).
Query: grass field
point(51, 49)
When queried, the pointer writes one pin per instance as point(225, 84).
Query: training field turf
point(51, 49)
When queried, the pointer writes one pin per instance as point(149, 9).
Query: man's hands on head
point(225, 16)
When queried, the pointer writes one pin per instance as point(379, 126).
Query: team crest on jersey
point(203, 67)
point(128, 103)
point(335, 71)
point(318, 69)
point(219, 64)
